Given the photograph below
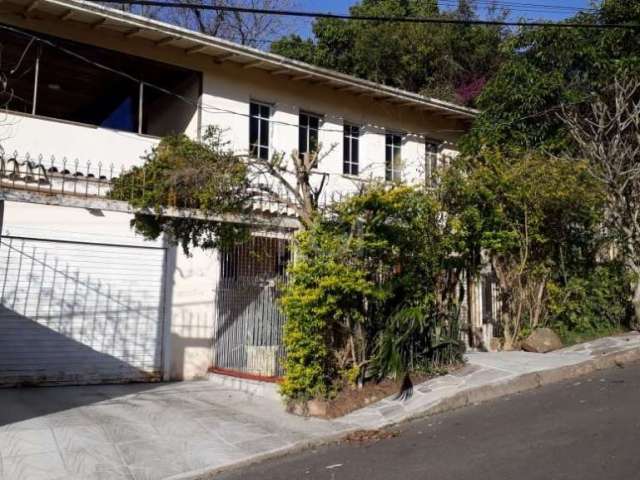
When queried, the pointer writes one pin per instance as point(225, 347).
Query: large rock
point(542, 340)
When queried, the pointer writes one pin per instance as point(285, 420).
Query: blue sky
point(543, 9)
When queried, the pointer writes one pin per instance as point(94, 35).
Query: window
point(259, 130)
point(393, 160)
point(431, 162)
point(131, 94)
point(308, 133)
point(350, 149)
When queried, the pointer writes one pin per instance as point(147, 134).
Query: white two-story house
point(90, 90)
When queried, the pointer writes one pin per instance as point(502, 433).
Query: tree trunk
point(635, 322)
point(475, 320)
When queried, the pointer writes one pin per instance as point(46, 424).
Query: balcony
point(80, 147)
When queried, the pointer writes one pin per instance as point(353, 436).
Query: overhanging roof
point(166, 35)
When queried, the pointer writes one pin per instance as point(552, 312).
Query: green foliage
point(187, 174)
point(324, 294)
point(535, 219)
point(359, 279)
point(592, 304)
point(544, 69)
point(448, 61)
point(418, 337)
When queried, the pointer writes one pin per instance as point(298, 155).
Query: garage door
point(80, 298)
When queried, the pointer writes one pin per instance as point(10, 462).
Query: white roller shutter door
point(80, 298)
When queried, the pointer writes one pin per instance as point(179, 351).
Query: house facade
point(90, 91)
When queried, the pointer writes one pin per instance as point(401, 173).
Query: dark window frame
point(432, 161)
point(393, 156)
point(308, 132)
point(351, 149)
point(259, 123)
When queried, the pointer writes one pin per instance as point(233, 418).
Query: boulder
point(542, 340)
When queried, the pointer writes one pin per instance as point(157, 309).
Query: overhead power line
point(369, 18)
point(519, 6)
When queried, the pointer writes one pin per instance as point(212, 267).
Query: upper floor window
point(350, 154)
point(85, 84)
point(393, 158)
point(432, 150)
point(259, 115)
point(308, 133)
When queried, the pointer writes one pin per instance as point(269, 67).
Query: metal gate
point(249, 323)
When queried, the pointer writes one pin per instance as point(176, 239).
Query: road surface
point(582, 429)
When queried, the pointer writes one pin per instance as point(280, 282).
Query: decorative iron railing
point(85, 179)
point(63, 176)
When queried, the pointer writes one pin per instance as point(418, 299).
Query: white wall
point(227, 90)
point(190, 298)
point(50, 137)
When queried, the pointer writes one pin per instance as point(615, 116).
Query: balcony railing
point(93, 181)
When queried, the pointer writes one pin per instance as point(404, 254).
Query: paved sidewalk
point(189, 430)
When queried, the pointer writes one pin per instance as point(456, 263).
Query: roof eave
point(224, 50)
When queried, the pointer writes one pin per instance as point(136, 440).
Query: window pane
point(259, 130)
point(313, 140)
point(345, 156)
point(302, 139)
point(355, 156)
point(264, 133)
point(314, 122)
point(253, 130)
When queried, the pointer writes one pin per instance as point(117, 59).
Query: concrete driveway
point(139, 431)
point(179, 430)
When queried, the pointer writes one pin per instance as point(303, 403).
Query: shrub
point(371, 293)
point(325, 293)
point(590, 305)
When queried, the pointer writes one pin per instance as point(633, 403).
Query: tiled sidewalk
point(187, 429)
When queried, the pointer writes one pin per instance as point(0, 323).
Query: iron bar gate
point(249, 323)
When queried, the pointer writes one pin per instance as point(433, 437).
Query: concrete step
point(253, 387)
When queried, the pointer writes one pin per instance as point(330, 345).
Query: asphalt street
point(583, 429)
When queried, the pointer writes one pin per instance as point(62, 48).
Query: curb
point(527, 381)
point(472, 396)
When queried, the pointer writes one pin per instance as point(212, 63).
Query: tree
point(533, 217)
point(252, 29)
point(298, 184)
point(520, 104)
point(608, 136)
point(214, 190)
point(447, 61)
point(180, 173)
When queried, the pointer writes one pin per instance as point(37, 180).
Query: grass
point(570, 338)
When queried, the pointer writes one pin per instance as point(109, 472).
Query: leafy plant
point(379, 269)
point(182, 173)
point(593, 304)
point(418, 338)
point(533, 217)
